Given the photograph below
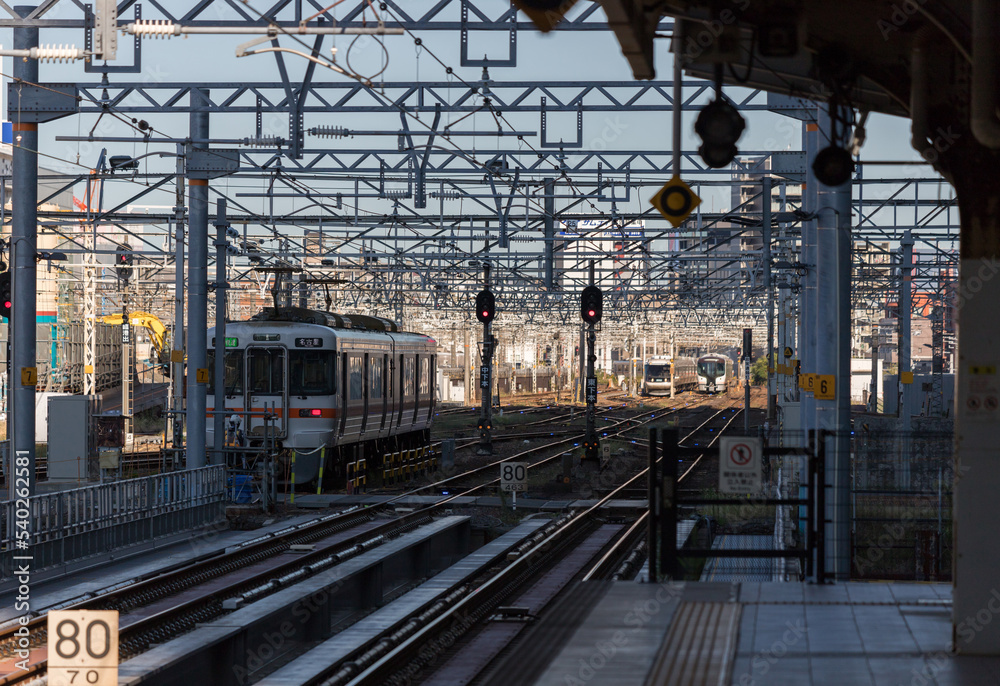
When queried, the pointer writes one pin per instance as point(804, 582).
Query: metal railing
point(77, 523)
point(665, 501)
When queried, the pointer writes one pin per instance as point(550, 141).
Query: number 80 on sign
point(83, 648)
point(513, 476)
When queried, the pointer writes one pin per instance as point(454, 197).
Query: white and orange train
point(338, 387)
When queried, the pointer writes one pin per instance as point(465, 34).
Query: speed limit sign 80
point(513, 476)
point(83, 648)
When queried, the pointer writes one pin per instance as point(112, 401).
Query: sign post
point(513, 478)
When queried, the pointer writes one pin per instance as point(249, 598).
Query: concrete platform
point(228, 650)
point(308, 667)
point(770, 633)
point(740, 568)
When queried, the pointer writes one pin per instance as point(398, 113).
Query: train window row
point(313, 372)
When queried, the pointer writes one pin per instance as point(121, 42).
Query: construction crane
point(157, 332)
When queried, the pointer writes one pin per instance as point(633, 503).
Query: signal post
point(485, 312)
point(590, 310)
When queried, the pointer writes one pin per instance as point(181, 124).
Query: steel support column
point(833, 357)
point(178, 343)
point(550, 233)
point(24, 237)
point(903, 330)
point(977, 470)
point(197, 294)
point(769, 354)
point(219, 418)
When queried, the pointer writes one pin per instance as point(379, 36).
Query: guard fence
point(74, 524)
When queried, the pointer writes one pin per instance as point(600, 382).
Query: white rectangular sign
point(740, 465)
point(83, 647)
point(513, 476)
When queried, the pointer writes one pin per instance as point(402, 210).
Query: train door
point(344, 389)
point(417, 387)
point(366, 390)
point(266, 389)
point(431, 396)
point(381, 380)
point(402, 390)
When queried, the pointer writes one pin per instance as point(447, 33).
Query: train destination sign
point(739, 465)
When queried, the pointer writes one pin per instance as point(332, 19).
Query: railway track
point(627, 554)
point(167, 604)
point(414, 652)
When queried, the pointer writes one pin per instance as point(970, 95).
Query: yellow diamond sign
point(675, 201)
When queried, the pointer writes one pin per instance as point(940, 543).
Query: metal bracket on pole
point(203, 163)
point(467, 61)
point(543, 130)
point(42, 103)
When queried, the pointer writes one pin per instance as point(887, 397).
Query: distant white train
point(714, 372)
point(657, 371)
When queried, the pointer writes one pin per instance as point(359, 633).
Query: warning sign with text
point(739, 465)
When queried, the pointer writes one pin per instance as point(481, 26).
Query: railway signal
point(720, 125)
point(591, 301)
point(123, 262)
point(486, 306)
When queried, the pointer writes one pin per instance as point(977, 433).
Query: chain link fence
point(902, 485)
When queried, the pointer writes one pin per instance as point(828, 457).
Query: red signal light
point(591, 313)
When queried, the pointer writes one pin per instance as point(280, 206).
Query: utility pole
point(905, 372)
point(219, 418)
point(590, 309)
point(197, 289)
point(769, 354)
point(23, 246)
point(467, 368)
point(128, 347)
point(747, 357)
point(177, 344)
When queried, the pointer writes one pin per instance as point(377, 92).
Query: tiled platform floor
point(790, 634)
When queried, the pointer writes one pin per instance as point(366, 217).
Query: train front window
point(657, 371)
point(234, 372)
point(711, 369)
point(312, 372)
point(267, 370)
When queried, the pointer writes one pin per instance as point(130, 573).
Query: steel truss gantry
point(407, 227)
